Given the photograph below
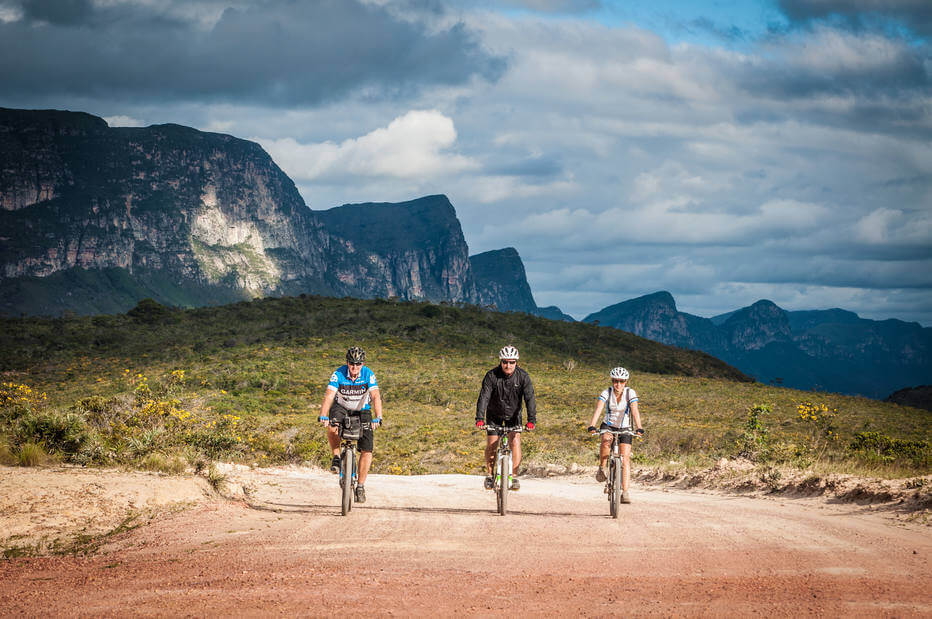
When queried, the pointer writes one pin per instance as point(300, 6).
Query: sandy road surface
point(432, 544)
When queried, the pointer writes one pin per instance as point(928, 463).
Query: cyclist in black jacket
point(503, 388)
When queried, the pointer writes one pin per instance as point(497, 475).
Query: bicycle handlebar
point(502, 429)
point(366, 425)
point(601, 431)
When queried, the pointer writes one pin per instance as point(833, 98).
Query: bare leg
point(333, 437)
point(365, 461)
point(515, 439)
point(605, 450)
point(626, 466)
point(491, 445)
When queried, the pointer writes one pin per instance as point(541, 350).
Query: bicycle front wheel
point(346, 478)
point(615, 494)
point(505, 468)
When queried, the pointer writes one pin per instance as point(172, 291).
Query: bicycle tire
point(610, 484)
point(346, 478)
point(503, 487)
point(616, 485)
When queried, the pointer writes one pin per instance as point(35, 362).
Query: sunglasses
point(355, 363)
point(508, 362)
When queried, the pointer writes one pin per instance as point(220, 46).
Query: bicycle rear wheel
point(615, 494)
point(346, 479)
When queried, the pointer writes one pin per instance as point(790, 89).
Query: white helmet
point(508, 352)
point(619, 373)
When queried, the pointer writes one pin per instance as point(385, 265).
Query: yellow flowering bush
point(15, 399)
point(819, 420)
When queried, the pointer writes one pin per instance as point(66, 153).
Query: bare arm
point(376, 397)
point(636, 415)
point(326, 404)
point(598, 412)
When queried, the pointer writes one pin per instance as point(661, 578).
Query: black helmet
point(355, 355)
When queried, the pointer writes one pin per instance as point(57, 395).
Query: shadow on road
point(304, 508)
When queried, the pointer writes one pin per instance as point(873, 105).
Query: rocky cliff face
point(753, 327)
point(198, 206)
point(193, 218)
point(501, 282)
point(830, 350)
point(409, 250)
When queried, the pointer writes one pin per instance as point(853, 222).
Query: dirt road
point(432, 544)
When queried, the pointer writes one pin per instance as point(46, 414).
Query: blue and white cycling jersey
point(353, 395)
point(617, 411)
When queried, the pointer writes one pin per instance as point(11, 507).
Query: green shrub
point(98, 411)
point(66, 433)
point(881, 447)
point(754, 442)
point(149, 311)
point(7, 457)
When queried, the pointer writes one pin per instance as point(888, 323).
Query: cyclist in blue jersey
point(352, 390)
point(621, 407)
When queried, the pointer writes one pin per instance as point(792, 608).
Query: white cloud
point(886, 226)
point(10, 14)
point(798, 168)
point(415, 145)
point(831, 51)
point(123, 121)
point(491, 188)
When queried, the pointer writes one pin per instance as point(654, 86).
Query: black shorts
point(622, 438)
point(367, 440)
point(510, 422)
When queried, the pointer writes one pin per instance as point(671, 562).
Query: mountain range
point(94, 218)
point(826, 350)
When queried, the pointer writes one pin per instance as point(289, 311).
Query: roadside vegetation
point(171, 390)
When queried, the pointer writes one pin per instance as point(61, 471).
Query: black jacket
point(501, 395)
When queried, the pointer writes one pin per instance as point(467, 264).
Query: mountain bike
point(615, 468)
point(503, 465)
point(351, 429)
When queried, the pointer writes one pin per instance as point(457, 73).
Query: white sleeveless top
point(617, 412)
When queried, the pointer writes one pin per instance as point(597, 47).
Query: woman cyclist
point(621, 406)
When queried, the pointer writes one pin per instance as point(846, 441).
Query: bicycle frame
point(502, 469)
point(613, 485)
point(349, 466)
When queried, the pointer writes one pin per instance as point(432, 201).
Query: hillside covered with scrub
point(167, 389)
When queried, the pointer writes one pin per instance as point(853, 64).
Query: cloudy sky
point(726, 150)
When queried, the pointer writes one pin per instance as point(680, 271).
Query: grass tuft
point(161, 463)
point(31, 454)
point(217, 479)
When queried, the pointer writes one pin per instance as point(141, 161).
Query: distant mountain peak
point(501, 281)
point(660, 298)
point(828, 350)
